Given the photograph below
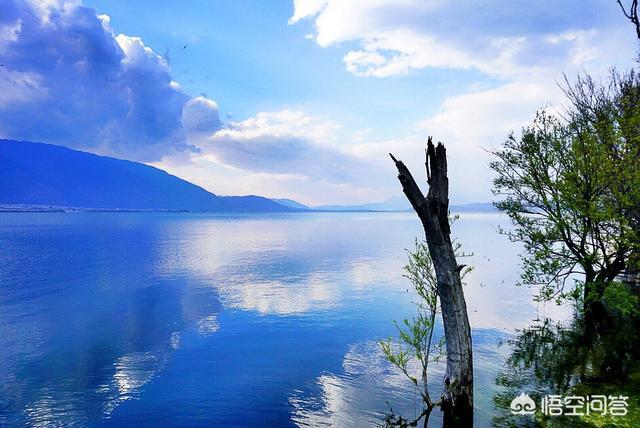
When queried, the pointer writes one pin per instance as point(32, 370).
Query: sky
point(299, 99)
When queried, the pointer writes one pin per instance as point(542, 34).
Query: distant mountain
point(400, 203)
point(290, 203)
point(474, 207)
point(44, 174)
point(396, 203)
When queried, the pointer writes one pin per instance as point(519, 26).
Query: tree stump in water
point(433, 211)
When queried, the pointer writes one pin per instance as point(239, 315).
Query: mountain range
point(37, 176)
point(45, 174)
point(393, 204)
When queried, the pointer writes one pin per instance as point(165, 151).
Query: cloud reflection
point(48, 411)
point(271, 270)
point(361, 395)
point(292, 296)
point(208, 325)
point(132, 372)
point(267, 266)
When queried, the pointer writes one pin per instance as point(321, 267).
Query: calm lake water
point(111, 319)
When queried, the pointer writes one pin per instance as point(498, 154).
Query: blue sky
point(246, 57)
point(299, 99)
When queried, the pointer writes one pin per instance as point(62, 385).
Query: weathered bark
point(433, 211)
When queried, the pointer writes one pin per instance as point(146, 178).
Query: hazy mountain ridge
point(393, 204)
point(45, 177)
point(291, 203)
point(37, 174)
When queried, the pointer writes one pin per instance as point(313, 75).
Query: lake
point(184, 319)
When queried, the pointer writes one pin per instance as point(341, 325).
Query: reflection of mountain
point(44, 174)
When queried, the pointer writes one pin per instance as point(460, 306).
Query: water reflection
point(551, 358)
point(366, 388)
point(132, 371)
point(208, 325)
point(85, 322)
point(106, 318)
point(286, 268)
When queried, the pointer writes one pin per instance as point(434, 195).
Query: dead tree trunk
point(434, 214)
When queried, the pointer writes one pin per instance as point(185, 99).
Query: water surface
point(242, 320)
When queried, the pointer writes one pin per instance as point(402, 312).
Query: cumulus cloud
point(288, 153)
point(200, 115)
point(394, 37)
point(489, 112)
point(477, 122)
point(284, 142)
point(516, 52)
point(69, 79)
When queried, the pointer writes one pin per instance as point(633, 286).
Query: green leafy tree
point(570, 187)
point(611, 115)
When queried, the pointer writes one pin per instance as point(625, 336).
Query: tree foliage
point(570, 184)
point(611, 114)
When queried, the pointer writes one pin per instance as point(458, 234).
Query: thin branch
point(632, 15)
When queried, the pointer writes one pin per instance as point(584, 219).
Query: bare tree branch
point(632, 14)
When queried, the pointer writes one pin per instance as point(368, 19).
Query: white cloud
point(395, 37)
point(287, 153)
point(397, 52)
point(482, 117)
point(470, 125)
point(19, 87)
point(67, 78)
point(287, 122)
point(306, 8)
point(9, 33)
point(526, 49)
point(139, 56)
point(287, 142)
point(200, 115)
